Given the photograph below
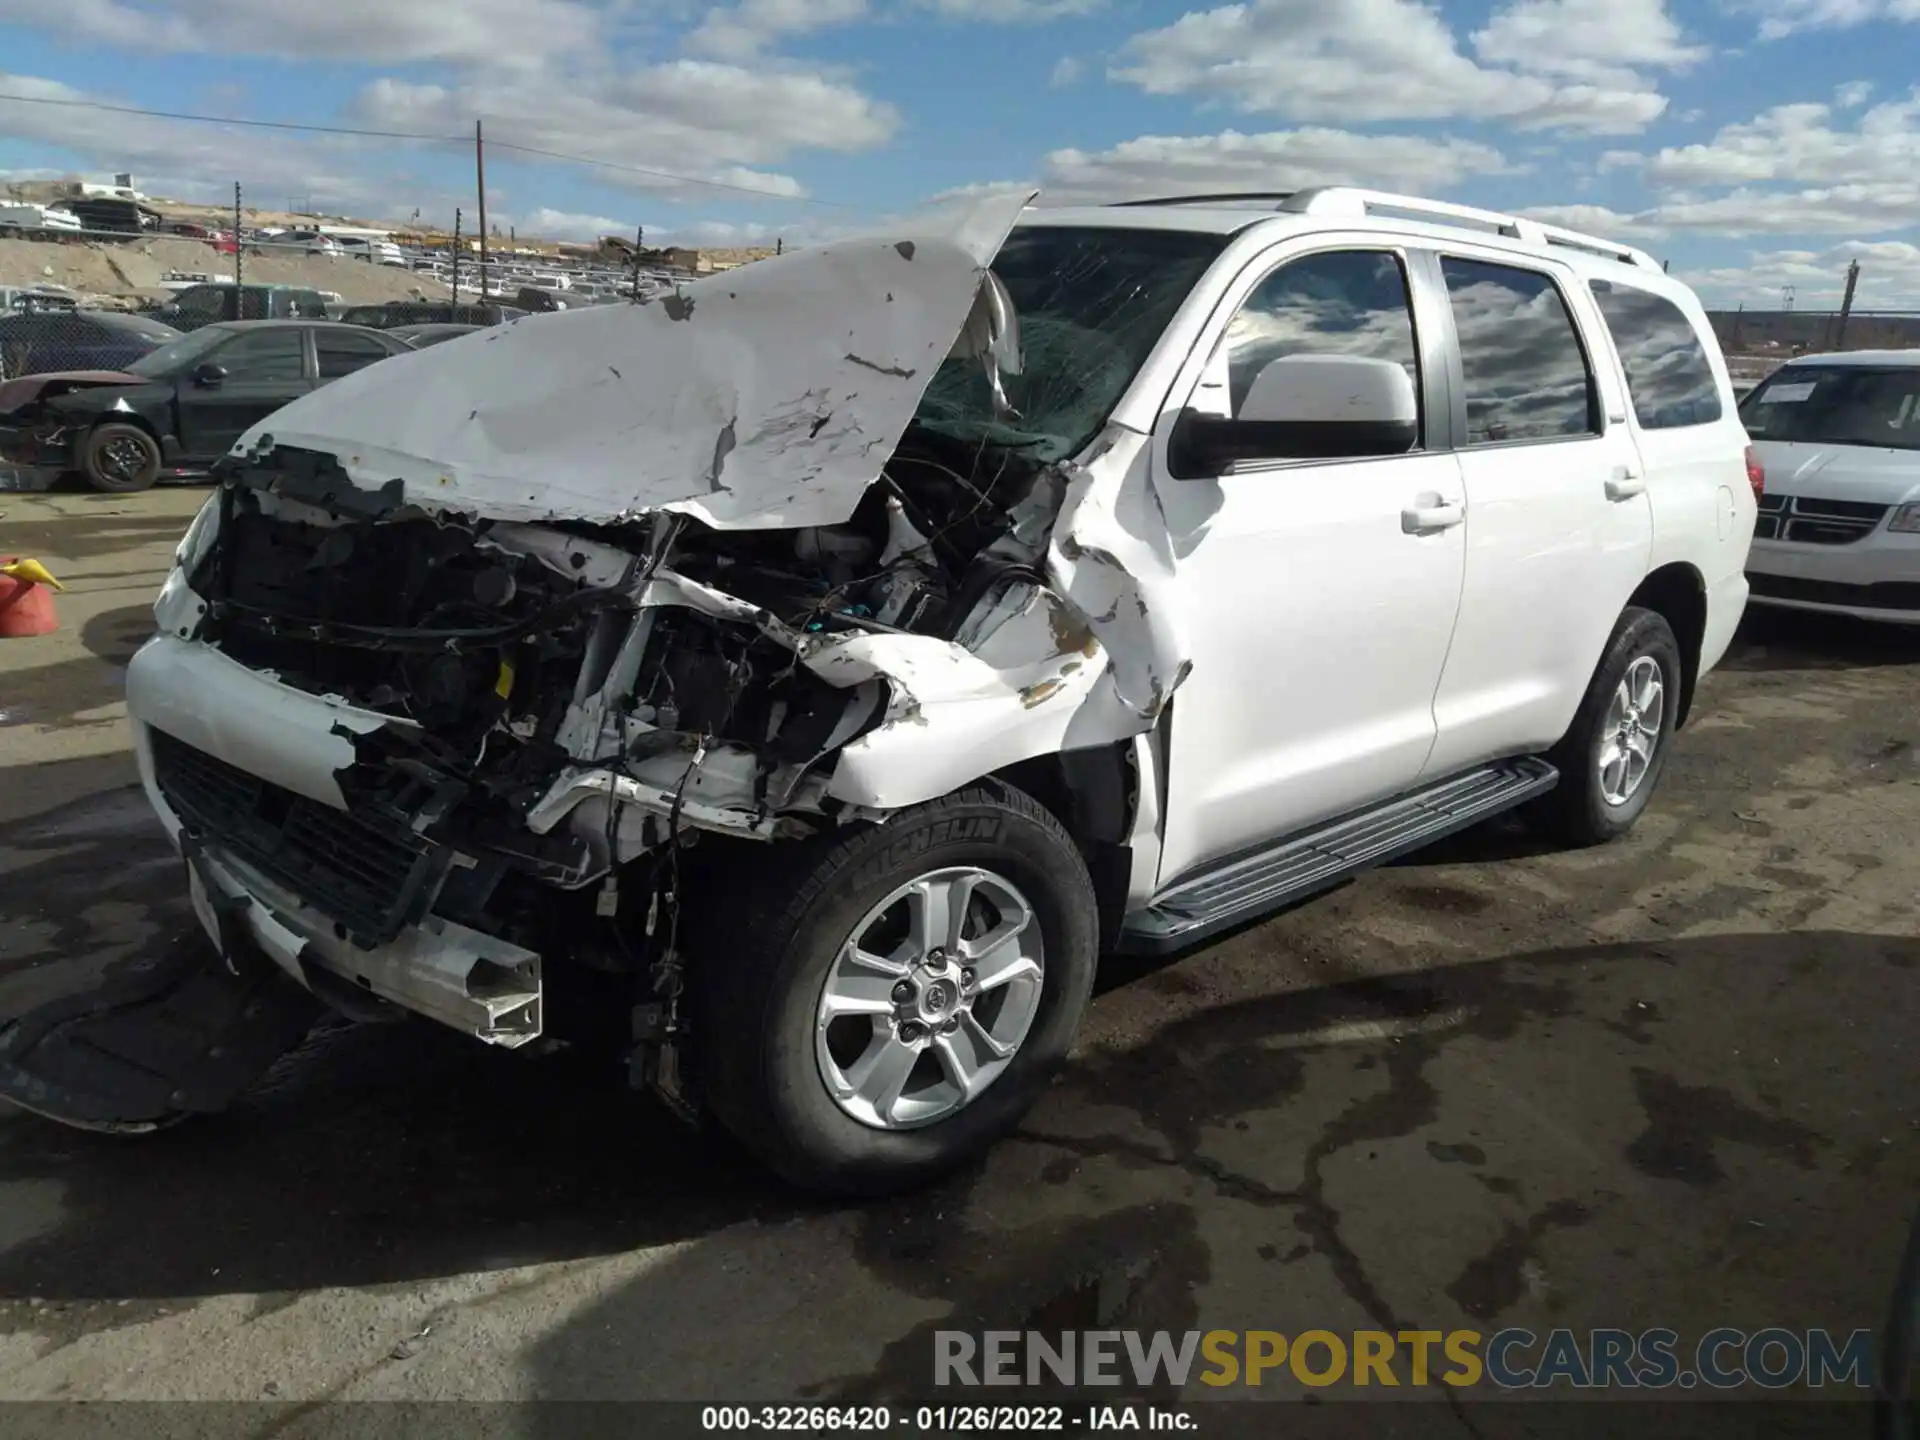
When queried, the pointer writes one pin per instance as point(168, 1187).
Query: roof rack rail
point(1356, 204)
point(1212, 199)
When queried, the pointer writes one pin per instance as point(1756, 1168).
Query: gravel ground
point(1668, 1082)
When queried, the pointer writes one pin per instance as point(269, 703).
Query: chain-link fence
point(94, 285)
point(1757, 341)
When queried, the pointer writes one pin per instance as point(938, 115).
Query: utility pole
point(480, 177)
point(456, 257)
point(237, 247)
point(1846, 305)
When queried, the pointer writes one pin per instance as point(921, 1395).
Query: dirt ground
point(1671, 1082)
point(137, 267)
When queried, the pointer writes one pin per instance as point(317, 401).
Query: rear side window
point(342, 352)
point(265, 355)
point(1526, 372)
point(1668, 373)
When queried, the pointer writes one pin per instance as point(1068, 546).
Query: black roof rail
point(1213, 199)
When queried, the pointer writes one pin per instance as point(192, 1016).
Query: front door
point(1559, 529)
point(266, 368)
point(1318, 603)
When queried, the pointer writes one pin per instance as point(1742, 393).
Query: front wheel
point(1613, 754)
point(120, 459)
point(874, 1011)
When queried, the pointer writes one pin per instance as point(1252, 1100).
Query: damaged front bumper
point(262, 837)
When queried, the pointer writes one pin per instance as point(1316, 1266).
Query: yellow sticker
point(503, 687)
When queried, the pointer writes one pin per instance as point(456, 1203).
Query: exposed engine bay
point(564, 700)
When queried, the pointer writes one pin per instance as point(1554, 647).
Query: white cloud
point(1853, 94)
point(201, 162)
point(1889, 277)
point(498, 33)
point(1823, 210)
point(739, 31)
point(1780, 18)
point(1595, 220)
point(546, 224)
point(1279, 160)
point(1599, 40)
point(696, 118)
point(1013, 12)
point(1066, 71)
point(1357, 61)
point(1790, 143)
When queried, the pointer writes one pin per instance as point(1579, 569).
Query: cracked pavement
point(1670, 1082)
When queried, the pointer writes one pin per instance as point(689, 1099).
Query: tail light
point(1756, 474)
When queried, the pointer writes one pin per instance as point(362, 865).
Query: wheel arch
point(1094, 793)
point(1678, 594)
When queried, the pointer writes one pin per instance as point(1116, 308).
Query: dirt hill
point(135, 269)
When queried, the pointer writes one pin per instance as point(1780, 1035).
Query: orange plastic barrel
point(25, 608)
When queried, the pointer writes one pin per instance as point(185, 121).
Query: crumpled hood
point(763, 397)
point(16, 394)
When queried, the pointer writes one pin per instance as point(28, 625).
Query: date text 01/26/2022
point(940, 1419)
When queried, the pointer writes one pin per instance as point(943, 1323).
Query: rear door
point(1559, 528)
point(265, 368)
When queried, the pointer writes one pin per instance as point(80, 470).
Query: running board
point(1302, 865)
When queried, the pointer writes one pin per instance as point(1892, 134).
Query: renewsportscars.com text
point(1510, 1359)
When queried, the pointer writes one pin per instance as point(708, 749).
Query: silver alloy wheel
point(930, 998)
point(1636, 721)
point(122, 457)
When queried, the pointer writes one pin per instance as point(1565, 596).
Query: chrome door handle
point(1433, 514)
point(1624, 484)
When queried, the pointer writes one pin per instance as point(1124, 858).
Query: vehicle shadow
point(1771, 641)
point(1051, 1235)
point(61, 692)
point(377, 1155)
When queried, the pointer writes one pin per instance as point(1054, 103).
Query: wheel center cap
point(937, 998)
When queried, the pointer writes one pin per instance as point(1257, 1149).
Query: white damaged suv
point(795, 684)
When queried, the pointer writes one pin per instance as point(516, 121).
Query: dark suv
point(199, 305)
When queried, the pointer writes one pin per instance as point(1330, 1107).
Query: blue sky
point(1753, 143)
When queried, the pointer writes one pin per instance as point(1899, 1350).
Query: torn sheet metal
point(1112, 554)
point(764, 397)
point(288, 738)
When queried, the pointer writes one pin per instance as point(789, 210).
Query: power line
point(413, 135)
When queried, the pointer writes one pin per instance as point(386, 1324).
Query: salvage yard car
point(981, 597)
point(178, 408)
point(1839, 528)
point(35, 342)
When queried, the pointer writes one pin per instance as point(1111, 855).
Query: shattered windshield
point(1092, 302)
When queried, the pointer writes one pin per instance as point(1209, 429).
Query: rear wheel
point(875, 1011)
point(120, 459)
point(1613, 754)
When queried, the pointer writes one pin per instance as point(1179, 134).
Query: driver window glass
point(1341, 302)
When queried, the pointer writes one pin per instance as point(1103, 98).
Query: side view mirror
point(1304, 407)
point(209, 375)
